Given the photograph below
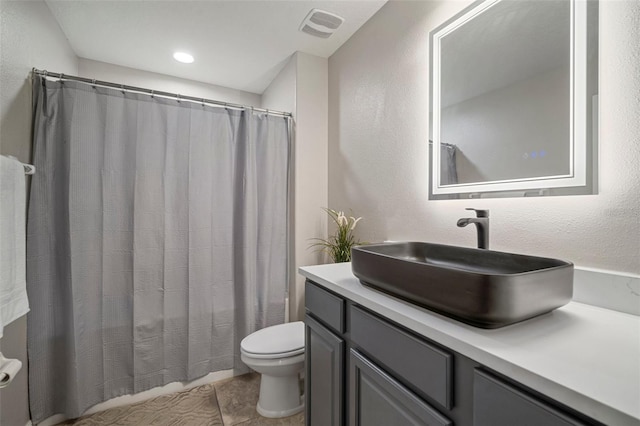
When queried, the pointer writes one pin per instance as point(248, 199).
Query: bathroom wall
point(150, 80)
point(29, 37)
point(378, 152)
point(311, 164)
point(301, 87)
point(494, 130)
point(281, 96)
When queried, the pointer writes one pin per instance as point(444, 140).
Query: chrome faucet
point(482, 226)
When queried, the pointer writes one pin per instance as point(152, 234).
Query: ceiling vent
point(319, 23)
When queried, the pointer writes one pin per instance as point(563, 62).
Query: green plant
point(338, 246)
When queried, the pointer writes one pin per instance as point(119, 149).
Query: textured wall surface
point(151, 80)
point(311, 157)
point(301, 87)
point(378, 153)
point(29, 37)
point(281, 96)
point(494, 130)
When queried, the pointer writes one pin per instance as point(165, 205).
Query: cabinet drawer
point(424, 366)
point(377, 399)
point(325, 306)
point(496, 403)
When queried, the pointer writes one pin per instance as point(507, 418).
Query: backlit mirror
point(514, 102)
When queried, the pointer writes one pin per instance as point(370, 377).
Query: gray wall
point(301, 87)
point(378, 152)
point(281, 96)
point(30, 37)
point(151, 80)
point(494, 130)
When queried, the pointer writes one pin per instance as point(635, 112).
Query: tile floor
point(224, 403)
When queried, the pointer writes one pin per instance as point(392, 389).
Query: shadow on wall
point(357, 198)
point(271, 73)
point(15, 140)
point(356, 194)
point(16, 125)
point(467, 170)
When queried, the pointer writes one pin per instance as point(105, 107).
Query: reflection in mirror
point(514, 87)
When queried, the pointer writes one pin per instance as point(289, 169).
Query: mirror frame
point(582, 176)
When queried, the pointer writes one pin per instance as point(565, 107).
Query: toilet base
point(279, 396)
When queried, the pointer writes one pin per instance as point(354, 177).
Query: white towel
point(13, 284)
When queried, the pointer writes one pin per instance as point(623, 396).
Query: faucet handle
point(479, 212)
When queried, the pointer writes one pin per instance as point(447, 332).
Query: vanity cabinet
point(377, 399)
point(324, 357)
point(362, 369)
point(324, 375)
point(497, 403)
point(426, 368)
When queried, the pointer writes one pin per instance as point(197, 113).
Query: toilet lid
point(277, 339)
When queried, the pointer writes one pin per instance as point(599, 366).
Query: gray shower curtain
point(448, 166)
point(157, 240)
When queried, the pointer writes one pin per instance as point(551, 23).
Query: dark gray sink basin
point(484, 288)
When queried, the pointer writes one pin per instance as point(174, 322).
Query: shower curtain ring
point(93, 83)
point(178, 97)
point(122, 89)
point(203, 102)
point(153, 93)
point(61, 78)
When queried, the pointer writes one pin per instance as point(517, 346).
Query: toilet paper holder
point(8, 370)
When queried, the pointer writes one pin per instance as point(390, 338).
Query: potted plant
point(338, 246)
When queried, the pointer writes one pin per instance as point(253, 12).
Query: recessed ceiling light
point(183, 57)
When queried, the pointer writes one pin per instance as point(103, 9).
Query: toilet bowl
point(277, 353)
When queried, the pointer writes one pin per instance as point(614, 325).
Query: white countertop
point(585, 357)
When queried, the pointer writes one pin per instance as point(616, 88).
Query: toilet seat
point(274, 356)
point(278, 341)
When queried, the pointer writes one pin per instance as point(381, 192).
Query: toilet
point(277, 353)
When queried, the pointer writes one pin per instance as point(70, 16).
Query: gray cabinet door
point(376, 399)
point(496, 403)
point(324, 376)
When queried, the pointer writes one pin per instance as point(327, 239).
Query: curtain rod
point(446, 145)
point(176, 96)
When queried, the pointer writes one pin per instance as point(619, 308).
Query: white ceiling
point(236, 43)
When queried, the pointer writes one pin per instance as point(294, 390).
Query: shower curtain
point(157, 240)
point(448, 167)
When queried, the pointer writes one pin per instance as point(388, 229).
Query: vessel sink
point(484, 288)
